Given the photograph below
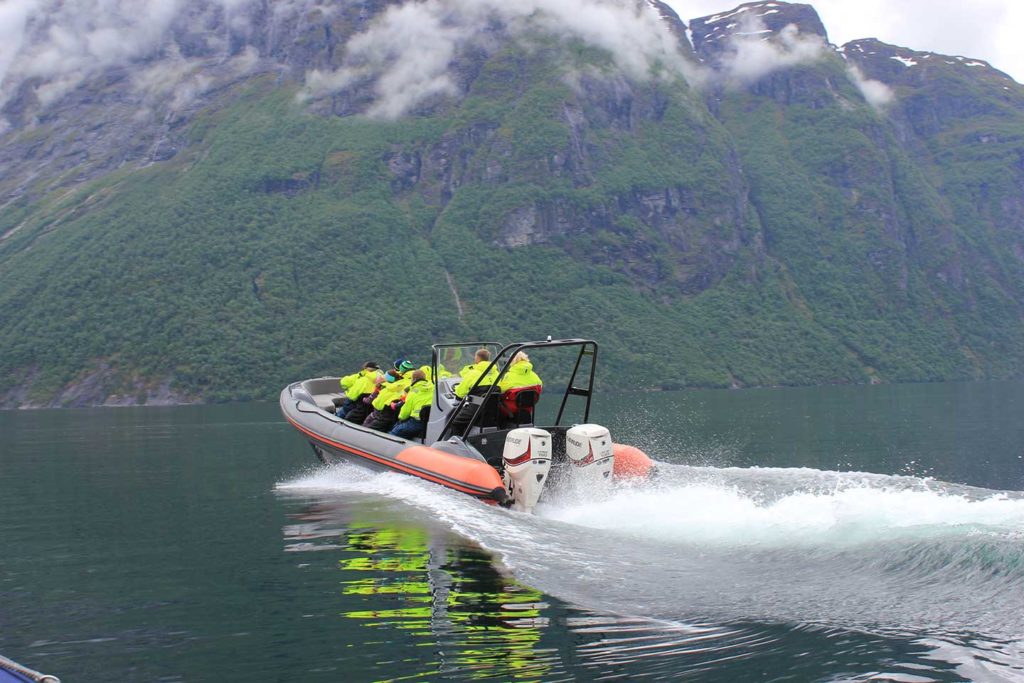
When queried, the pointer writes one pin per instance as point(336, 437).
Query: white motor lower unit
point(591, 458)
point(527, 459)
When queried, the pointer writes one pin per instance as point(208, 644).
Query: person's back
point(420, 394)
point(471, 373)
point(357, 379)
point(520, 390)
point(390, 391)
point(520, 374)
point(410, 417)
point(358, 385)
point(384, 415)
point(361, 394)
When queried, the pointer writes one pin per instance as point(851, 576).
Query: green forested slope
point(776, 241)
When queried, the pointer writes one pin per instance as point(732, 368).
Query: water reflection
point(466, 618)
point(436, 606)
point(476, 621)
point(432, 605)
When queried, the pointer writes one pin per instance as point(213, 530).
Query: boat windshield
point(457, 356)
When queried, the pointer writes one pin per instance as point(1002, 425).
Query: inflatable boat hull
point(335, 440)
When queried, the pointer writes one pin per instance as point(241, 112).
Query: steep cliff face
point(961, 120)
point(87, 122)
point(867, 179)
point(271, 191)
point(596, 173)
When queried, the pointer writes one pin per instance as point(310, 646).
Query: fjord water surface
point(847, 533)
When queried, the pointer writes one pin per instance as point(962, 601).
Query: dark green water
point(850, 533)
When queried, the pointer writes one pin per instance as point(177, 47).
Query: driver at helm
point(471, 373)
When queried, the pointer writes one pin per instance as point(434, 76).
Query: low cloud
point(754, 51)
point(56, 45)
point(877, 94)
point(176, 82)
point(14, 16)
point(62, 44)
point(409, 50)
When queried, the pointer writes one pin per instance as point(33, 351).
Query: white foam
point(460, 513)
point(703, 513)
point(799, 545)
point(712, 506)
point(349, 479)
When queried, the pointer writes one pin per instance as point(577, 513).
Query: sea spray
point(849, 550)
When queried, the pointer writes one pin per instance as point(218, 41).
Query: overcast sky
point(992, 30)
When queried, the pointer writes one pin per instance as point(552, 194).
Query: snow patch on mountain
point(905, 61)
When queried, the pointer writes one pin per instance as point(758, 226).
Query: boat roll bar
point(587, 348)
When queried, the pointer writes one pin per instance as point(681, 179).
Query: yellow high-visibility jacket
point(521, 374)
point(390, 392)
point(420, 395)
point(364, 384)
point(470, 373)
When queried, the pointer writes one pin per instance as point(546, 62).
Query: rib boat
point(493, 445)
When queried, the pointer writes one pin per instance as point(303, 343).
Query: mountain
point(237, 194)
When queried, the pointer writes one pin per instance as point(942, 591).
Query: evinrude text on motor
point(526, 461)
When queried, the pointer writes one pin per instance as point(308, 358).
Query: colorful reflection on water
point(468, 617)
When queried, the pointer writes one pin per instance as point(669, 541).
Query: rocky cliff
point(267, 190)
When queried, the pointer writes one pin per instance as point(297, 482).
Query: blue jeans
point(345, 407)
point(407, 429)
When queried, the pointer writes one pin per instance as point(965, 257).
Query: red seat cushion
point(510, 400)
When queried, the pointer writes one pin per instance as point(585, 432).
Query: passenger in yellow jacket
point(420, 395)
point(520, 374)
point(369, 369)
point(384, 415)
point(516, 406)
point(471, 373)
point(390, 391)
point(358, 385)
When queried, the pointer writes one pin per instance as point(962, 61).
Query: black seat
point(424, 419)
point(490, 416)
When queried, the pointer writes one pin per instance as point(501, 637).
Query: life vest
point(363, 384)
point(390, 392)
point(521, 374)
point(419, 396)
point(469, 375)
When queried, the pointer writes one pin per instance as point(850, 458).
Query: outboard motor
point(527, 459)
point(591, 458)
